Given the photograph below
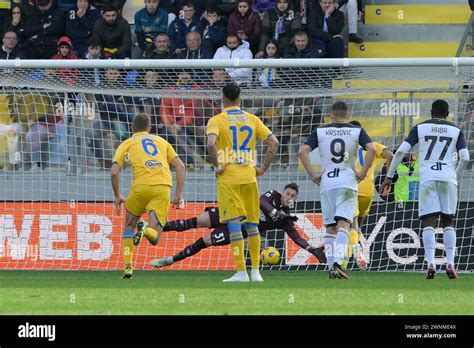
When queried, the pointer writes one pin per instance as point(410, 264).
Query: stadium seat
point(417, 14)
point(403, 49)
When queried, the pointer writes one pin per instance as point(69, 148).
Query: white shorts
point(437, 197)
point(338, 203)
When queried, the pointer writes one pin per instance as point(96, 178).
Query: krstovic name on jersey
point(439, 143)
point(338, 144)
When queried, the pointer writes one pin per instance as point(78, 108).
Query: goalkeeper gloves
point(280, 214)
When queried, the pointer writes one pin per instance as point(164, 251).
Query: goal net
point(61, 121)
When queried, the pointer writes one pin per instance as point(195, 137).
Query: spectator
point(193, 48)
point(236, 48)
point(112, 127)
point(324, 26)
point(226, 7)
point(150, 105)
point(467, 125)
point(351, 13)
point(262, 6)
point(269, 76)
point(149, 22)
point(180, 27)
point(178, 115)
point(65, 51)
point(246, 24)
point(16, 22)
point(213, 29)
point(47, 130)
point(45, 29)
point(94, 51)
point(10, 48)
point(302, 48)
point(102, 5)
point(9, 134)
point(114, 33)
point(162, 48)
point(199, 5)
point(280, 24)
point(79, 25)
point(5, 13)
point(214, 106)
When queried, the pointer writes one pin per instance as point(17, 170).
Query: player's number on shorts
point(434, 139)
point(243, 146)
point(149, 147)
point(338, 148)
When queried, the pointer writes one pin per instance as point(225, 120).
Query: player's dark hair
point(293, 186)
point(356, 123)
point(440, 109)
point(339, 109)
point(231, 91)
point(141, 122)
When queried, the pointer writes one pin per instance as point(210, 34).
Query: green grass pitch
point(198, 292)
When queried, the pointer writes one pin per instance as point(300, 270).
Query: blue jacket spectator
point(79, 24)
point(261, 6)
point(149, 22)
point(180, 27)
point(213, 29)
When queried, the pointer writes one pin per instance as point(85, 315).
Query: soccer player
point(338, 143)
point(274, 214)
point(232, 137)
point(365, 196)
point(440, 144)
point(149, 156)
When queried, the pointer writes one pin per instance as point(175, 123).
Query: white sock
point(342, 241)
point(329, 241)
point(449, 239)
point(429, 244)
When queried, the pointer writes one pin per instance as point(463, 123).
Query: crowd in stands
point(32, 29)
point(163, 29)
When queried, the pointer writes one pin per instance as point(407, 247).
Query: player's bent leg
point(181, 225)
point(127, 244)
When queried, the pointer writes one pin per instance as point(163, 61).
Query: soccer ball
point(270, 256)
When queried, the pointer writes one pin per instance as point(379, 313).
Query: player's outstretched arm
point(180, 174)
point(303, 153)
point(397, 159)
point(272, 148)
point(115, 177)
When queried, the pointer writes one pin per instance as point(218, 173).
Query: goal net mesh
point(59, 128)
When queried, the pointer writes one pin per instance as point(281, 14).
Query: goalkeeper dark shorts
point(220, 235)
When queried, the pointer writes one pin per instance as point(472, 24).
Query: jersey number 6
point(149, 147)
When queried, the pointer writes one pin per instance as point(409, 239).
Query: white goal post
point(61, 120)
